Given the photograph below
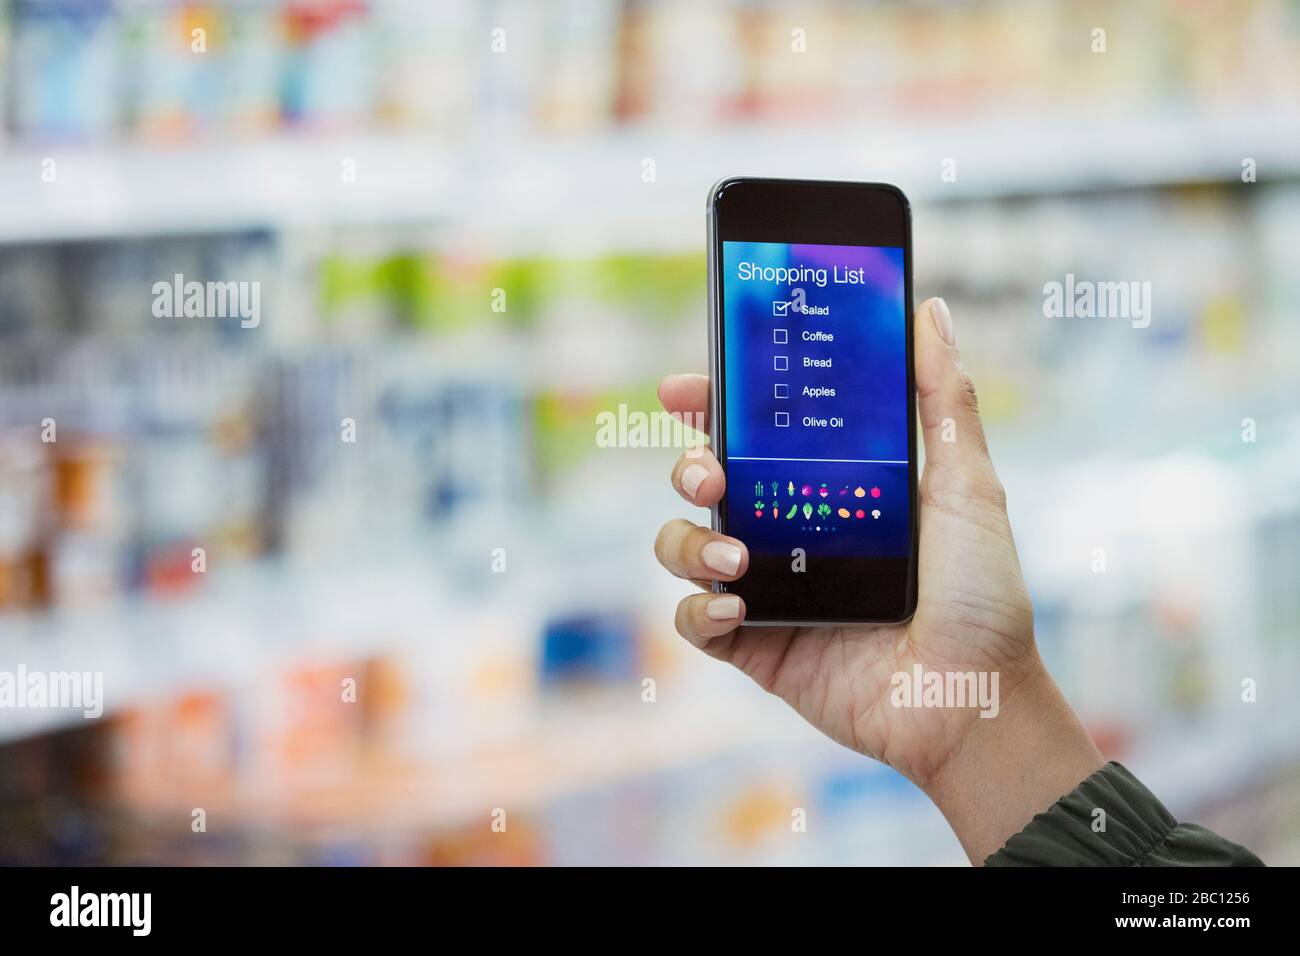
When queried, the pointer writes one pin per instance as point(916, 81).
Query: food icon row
point(822, 510)
point(808, 491)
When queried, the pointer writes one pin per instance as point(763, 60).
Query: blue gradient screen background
point(860, 467)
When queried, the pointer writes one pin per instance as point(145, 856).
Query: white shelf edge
point(533, 187)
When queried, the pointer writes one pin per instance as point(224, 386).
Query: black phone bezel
point(842, 590)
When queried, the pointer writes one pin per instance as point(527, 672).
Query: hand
point(988, 775)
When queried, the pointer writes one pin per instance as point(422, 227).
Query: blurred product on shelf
point(588, 648)
point(62, 69)
point(82, 70)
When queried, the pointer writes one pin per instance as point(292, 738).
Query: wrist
point(1008, 768)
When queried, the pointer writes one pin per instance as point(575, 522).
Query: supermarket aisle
point(359, 575)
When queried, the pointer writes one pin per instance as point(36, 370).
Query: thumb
point(956, 454)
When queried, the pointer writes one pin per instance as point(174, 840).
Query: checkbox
point(780, 363)
point(780, 308)
point(782, 419)
point(781, 390)
point(780, 336)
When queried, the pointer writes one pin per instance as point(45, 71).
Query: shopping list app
point(815, 339)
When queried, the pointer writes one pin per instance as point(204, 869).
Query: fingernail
point(692, 477)
point(721, 557)
point(943, 321)
point(723, 608)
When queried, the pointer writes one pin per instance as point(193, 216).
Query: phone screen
point(817, 398)
point(814, 405)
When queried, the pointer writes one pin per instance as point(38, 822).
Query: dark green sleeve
point(1138, 831)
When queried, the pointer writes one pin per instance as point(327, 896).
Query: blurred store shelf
point(217, 638)
point(529, 189)
point(280, 181)
point(1195, 767)
point(585, 743)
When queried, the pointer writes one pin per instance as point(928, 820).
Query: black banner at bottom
point(337, 905)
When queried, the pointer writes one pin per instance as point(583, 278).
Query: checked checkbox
point(780, 308)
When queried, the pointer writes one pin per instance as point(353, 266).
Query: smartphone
point(813, 397)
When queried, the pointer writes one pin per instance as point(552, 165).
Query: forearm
point(1015, 765)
